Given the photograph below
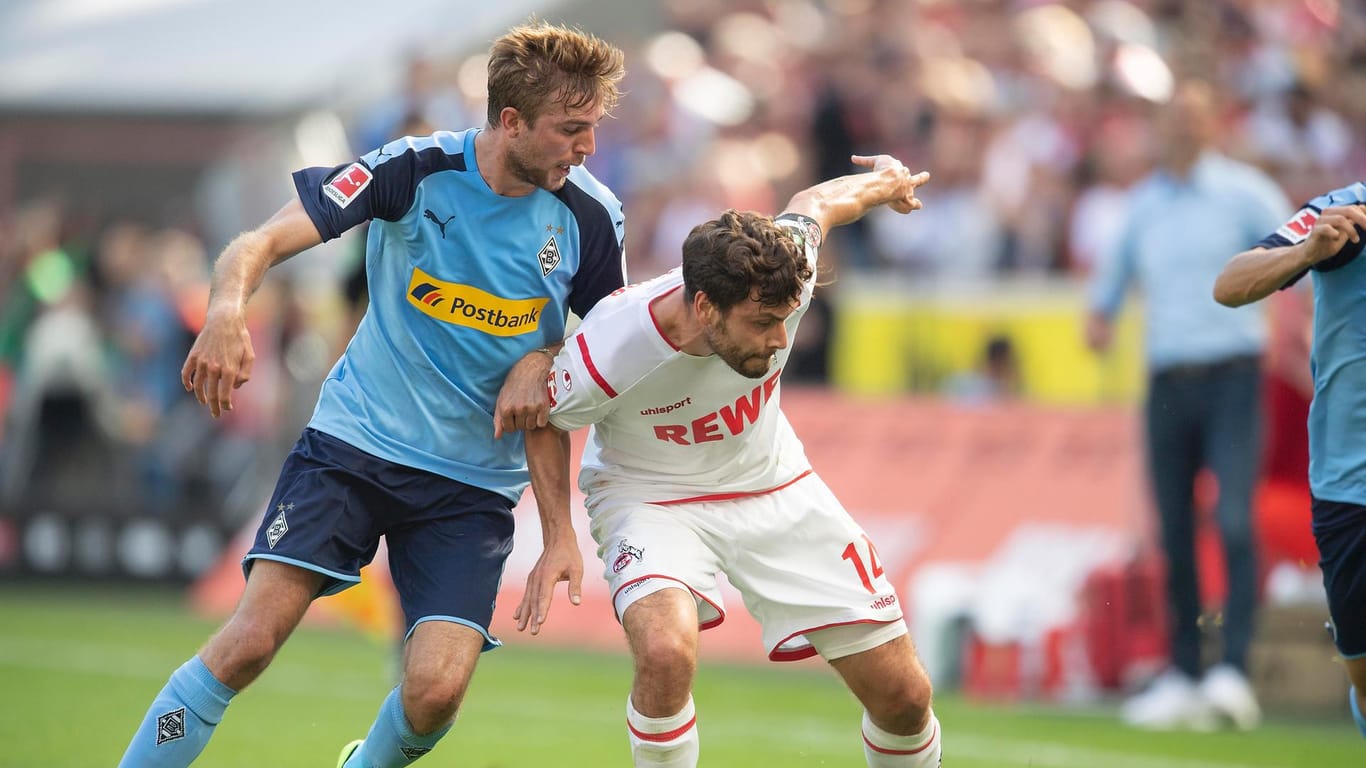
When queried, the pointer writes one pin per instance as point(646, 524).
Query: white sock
point(663, 742)
point(888, 750)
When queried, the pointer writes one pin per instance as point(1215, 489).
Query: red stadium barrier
point(932, 483)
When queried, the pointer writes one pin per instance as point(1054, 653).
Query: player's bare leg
point(272, 605)
point(438, 662)
point(899, 727)
point(184, 714)
point(1356, 670)
point(661, 722)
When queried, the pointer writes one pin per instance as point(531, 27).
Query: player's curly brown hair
point(538, 64)
point(743, 255)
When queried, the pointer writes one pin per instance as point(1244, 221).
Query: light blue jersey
point(1337, 415)
point(1176, 237)
point(463, 283)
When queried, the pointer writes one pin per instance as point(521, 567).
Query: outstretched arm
point(547, 454)
point(1259, 272)
point(221, 358)
point(847, 198)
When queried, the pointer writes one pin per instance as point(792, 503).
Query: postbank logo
point(466, 305)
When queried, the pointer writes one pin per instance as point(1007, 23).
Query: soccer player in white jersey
point(691, 470)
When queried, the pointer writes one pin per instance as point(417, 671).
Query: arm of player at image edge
point(848, 198)
point(523, 402)
point(221, 358)
point(1259, 272)
point(547, 453)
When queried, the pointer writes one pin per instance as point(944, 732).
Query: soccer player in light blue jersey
point(1325, 239)
point(480, 244)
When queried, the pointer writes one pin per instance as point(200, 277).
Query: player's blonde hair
point(538, 64)
point(743, 255)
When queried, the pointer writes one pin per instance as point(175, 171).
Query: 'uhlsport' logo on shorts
point(466, 305)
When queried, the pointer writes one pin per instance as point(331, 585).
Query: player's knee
point(667, 653)
point(242, 650)
point(431, 699)
point(904, 707)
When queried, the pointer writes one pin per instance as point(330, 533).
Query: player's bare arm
point(547, 454)
point(1257, 273)
point(221, 358)
point(523, 402)
point(847, 198)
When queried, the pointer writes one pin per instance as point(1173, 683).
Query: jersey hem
point(731, 496)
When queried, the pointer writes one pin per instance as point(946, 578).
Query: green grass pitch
point(78, 668)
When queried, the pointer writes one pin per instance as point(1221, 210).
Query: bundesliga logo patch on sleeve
point(1297, 229)
point(347, 185)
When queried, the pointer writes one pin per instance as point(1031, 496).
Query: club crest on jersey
point(551, 390)
point(347, 185)
point(549, 256)
point(813, 234)
point(171, 726)
point(626, 554)
point(1297, 229)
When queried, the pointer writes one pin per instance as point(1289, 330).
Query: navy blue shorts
point(1340, 530)
point(447, 541)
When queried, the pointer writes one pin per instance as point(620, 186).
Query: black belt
point(1210, 368)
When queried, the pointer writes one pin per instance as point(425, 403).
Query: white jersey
point(667, 426)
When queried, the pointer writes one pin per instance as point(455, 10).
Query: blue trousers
point(1206, 416)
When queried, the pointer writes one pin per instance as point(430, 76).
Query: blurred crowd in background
point(1034, 118)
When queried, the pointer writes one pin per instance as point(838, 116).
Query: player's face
point(748, 337)
point(543, 151)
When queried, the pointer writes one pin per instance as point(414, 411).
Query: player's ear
point(511, 120)
point(703, 308)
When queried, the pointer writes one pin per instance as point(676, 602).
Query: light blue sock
point(1356, 711)
point(391, 742)
point(181, 719)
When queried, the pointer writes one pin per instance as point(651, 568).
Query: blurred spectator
point(427, 100)
point(59, 411)
point(1204, 389)
point(146, 343)
point(996, 377)
point(1114, 162)
point(1025, 113)
point(1300, 139)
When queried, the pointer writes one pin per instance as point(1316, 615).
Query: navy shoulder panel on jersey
point(1297, 229)
point(1351, 195)
point(380, 185)
point(601, 260)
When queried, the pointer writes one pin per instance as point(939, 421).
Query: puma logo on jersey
point(729, 420)
point(427, 214)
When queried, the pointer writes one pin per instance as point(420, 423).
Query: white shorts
point(807, 572)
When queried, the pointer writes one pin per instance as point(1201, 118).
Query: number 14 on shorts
point(866, 572)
